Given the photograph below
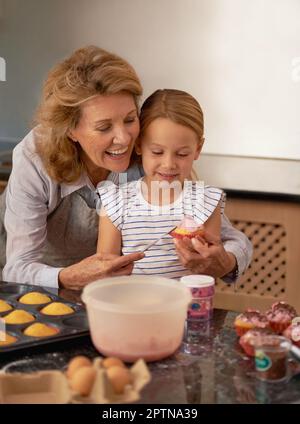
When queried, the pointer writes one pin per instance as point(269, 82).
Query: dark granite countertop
point(210, 367)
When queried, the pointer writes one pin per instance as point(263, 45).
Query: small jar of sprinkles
point(202, 289)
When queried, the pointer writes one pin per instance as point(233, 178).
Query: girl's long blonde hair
point(88, 72)
point(176, 105)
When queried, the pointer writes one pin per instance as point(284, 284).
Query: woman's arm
point(236, 243)
point(213, 223)
point(109, 237)
point(27, 205)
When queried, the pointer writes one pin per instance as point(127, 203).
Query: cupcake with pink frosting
point(189, 228)
point(251, 337)
point(280, 316)
point(249, 320)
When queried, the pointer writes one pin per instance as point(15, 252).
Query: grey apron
point(72, 230)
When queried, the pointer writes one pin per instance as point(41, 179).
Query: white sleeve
point(112, 199)
point(26, 224)
point(205, 200)
point(213, 197)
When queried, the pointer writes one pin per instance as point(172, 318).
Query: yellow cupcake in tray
point(18, 316)
point(39, 329)
point(57, 308)
point(6, 339)
point(4, 306)
point(34, 298)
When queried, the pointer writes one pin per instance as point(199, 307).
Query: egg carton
point(69, 326)
point(53, 387)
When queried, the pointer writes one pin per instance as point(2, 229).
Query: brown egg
point(119, 377)
point(76, 363)
point(111, 361)
point(83, 380)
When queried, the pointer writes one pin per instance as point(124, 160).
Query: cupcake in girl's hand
point(292, 332)
point(248, 340)
point(188, 227)
point(248, 320)
point(280, 316)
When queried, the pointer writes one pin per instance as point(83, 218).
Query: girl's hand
point(94, 267)
point(205, 256)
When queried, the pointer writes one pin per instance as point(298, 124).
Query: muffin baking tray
point(69, 326)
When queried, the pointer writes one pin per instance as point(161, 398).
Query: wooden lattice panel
point(266, 274)
point(274, 230)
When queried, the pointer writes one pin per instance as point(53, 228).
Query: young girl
point(136, 213)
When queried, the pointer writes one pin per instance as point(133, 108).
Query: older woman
point(87, 126)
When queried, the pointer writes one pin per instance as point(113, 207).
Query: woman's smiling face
point(106, 132)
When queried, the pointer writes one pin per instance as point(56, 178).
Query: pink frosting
point(254, 317)
point(252, 335)
point(281, 312)
point(278, 316)
point(189, 224)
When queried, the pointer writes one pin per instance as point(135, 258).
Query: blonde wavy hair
point(176, 105)
point(88, 72)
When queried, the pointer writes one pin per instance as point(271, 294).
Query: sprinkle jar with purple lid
point(202, 289)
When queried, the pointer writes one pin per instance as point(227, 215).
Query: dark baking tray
point(70, 326)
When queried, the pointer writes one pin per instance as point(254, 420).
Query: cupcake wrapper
point(279, 327)
point(248, 349)
point(240, 331)
point(181, 236)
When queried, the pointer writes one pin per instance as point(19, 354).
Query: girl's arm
point(213, 224)
point(109, 237)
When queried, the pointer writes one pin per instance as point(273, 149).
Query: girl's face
point(168, 151)
point(106, 132)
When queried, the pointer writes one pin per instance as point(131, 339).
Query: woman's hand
point(205, 256)
point(94, 267)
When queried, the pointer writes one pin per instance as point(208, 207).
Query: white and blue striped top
point(141, 222)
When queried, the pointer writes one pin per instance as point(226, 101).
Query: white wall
point(234, 56)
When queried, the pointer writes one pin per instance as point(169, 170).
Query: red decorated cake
point(280, 316)
point(248, 320)
point(248, 340)
point(188, 227)
point(293, 333)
